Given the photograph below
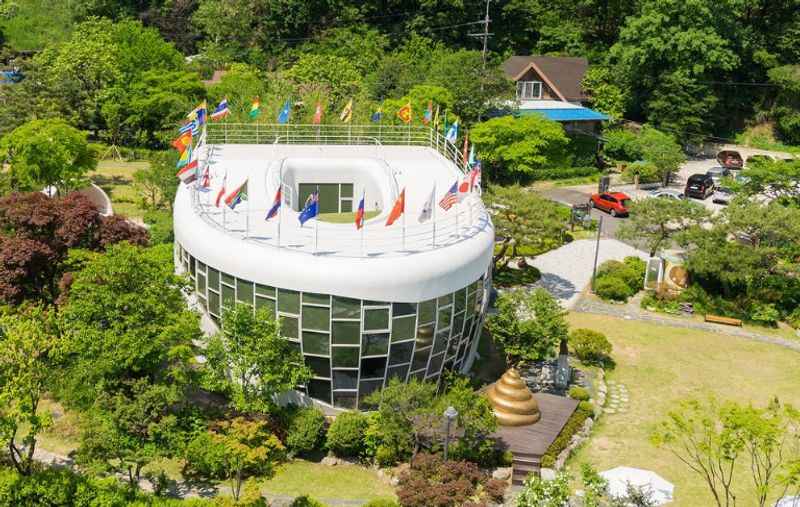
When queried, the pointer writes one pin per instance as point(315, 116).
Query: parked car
point(730, 159)
point(699, 186)
point(668, 193)
point(717, 173)
point(615, 203)
point(722, 195)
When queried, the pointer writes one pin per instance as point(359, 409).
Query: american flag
point(450, 198)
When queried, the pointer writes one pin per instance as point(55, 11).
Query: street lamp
point(450, 414)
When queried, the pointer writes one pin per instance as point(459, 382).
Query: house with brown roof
point(551, 86)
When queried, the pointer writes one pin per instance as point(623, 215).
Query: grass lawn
point(332, 482)
point(661, 365)
point(116, 179)
point(345, 217)
point(37, 23)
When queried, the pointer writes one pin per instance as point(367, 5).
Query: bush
point(386, 456)
point(589, 346)
point(586, 406)
point(647, 172)
point(495, 489)
point(432, 481)
point(159, 225)
point(618, 281)
point(204, 457)
point(765, 314)
point(573, 426)
point(612, 288)
point(622, 145)
point(305, 430)
point(306, 501)
point(381, 502)
point(794, 318)
point(578, 393)
point(346, 434)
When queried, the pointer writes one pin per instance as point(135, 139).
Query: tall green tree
point(654, 222)
point(156, 182)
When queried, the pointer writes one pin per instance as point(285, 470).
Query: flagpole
point(280, 202)
point(316, 225)
point(363, 220)
point(247, 220)
point(404, 221)
point(434, 214)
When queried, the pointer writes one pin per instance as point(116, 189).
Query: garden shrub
point(305, 429)
point(573, 426)
point(765, 314)
point(794, 318)
point(578, 393)
point(432, 481)
point(495, 489)
point(622, 144)
point(590, 346)
point(159, 225)
point(617, 281)
point(647, 172)
point(306, 501)
point(386, 456)
point(612, 288)
point(381, 502)
point(586, 406)
point(346, 435)
point(204, 457)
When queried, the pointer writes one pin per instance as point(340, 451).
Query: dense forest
point(694, 68)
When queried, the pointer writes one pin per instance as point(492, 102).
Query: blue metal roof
point(567, 114)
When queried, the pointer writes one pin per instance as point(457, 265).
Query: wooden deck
point(534, 439)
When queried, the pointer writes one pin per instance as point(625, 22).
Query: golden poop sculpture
point(512, 401)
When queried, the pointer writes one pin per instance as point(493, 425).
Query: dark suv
point(699, 186)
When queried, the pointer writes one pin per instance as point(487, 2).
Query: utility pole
point(485, 36)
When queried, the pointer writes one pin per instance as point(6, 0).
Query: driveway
point(580, 195)
point(566, 271)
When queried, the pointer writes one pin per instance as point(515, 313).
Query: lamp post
point(450, 414)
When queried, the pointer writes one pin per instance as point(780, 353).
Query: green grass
point(344, 482)
point(345, 217)
point(763, 137)
point(36, 23)
point(661, 365)
point(116, 179)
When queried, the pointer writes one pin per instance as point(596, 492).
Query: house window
point(528, 90)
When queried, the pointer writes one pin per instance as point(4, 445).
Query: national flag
point(185, 158)
point(221, 111)
point(465, 149)
point(450, 198)
point(283, 116)
point(202, 112)
point(255, 108)
point(221, 192)
point(452, 132)
point(276, 205)
point(311, 208)
point(183, 141)
point(188, 171)
point(464, 188)
point(471, 160)
point(205, 182)
point(427, 116)
point(427, 209)
point(360, 213)
point(398, 209)
point(237, 196)
point(404, 113)
point(475, 175)
point(190, 126)
point(377, 115)
point(317, 115)
point(347, 112)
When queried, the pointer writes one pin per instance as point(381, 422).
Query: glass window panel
point(460, 300)
point(213, 278)
point(424, 335)
point(421, 359)
point(435, 364)
point(445, 300)
point(419, 375)
point(373, 367)
point(203, 302)
point(470, 302)
point(316, 299)
point(191, 265)
point(345, 400)
point(458, 323)
point(244, 291)
point(321, 366)
point(347, 332)
point(201, 268)
point(448, 365)
point(401, 353)
point(374, 344)
point(347, 190)
point(316, 317)
point(201, 283)
point(213, 302)
point(289, 301)
point(367, 302)
point(365, 388)
point(403, 328)
point(346, 308)
point(289, 327)
point(227, 296)
point(451, 347)
point(265, 290)
point(269, 304)
point(295, 346)
point(400, 309)
point(376, 319)
point(427, 311)
point(347, 205)
point(345, 379)
point(315, 343)
point(226, 278)
point(320, 390)
point(345, 357)
point(441, 341)
point(444, 317)
point(399, 372)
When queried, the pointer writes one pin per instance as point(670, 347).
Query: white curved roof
point(337, 258)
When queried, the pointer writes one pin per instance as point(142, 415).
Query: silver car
point(717, 173)
point(668, 193)
point(722, 195)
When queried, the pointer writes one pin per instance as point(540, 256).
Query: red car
point(616, 203)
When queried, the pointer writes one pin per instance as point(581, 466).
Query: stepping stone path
point(618, 398)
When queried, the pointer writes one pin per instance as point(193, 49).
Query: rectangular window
point(375, 344)
point(529, 90)
point(401, 353)
point(346, 308)
point(461, 302)
point(403, 328)
point(445, 300)
point(269, 304)
point(345, 379)
point(289, 301)
point(421, 358)
point(365, 388)
point(346, 332)
point(345, 399)
point(289, 327)
point(265, 290)
point(201, 283)
point(316, 343)
point(373, 367)
point(213, 302)
point(376, 319)
point(316, 317)
point(345, 357)
point(309, 298)
point(435, 364)
point(320, 390)
point(213, 279)
point(400, 309)
point(444, 317)
point(244, 291)
point(227, 297)
point(398, 372)
point(226, 278)
point(427, 311)
point(320, 366)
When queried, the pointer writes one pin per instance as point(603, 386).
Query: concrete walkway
point(567, 270)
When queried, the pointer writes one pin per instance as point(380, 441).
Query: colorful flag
point(428, 115)
point(221, 192)
point(221, 111)
point(464, 189)
point(187, 174)
point(255, 108)
point(398, 209)
point(475, 175)
point(205, 182)
point(465, 149)
point(237, 196)
point(450, 198)
point(317, 115)
point(183, 141)
point(347, 112)
point(276, 205)
point(283, 116)
point(404, 113)
point(452, 132)
point(427, 210)
point(202, 112)
point(311, 208)
point(360, 212)
point(377, 115)
point(185, 158)
point(190, 126)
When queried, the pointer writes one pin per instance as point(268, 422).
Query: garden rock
point(502, 473)
point(548, 474)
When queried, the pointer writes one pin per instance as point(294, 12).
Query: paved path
point(567, 270)
point(631, 311)
point(580, 195)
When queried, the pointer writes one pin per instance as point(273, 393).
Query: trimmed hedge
point(589, 346)
point(573, 426)
point(617, 281)
point(578, 393)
